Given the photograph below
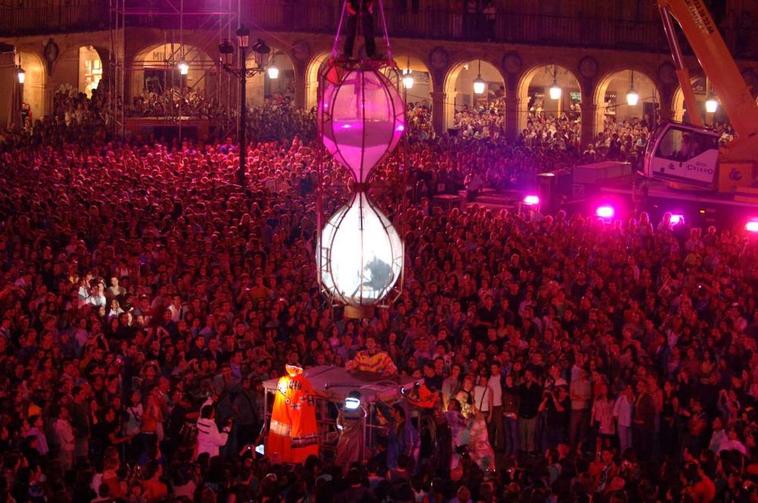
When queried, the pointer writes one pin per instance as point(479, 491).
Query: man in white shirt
point(496, 425)
point(209, 439)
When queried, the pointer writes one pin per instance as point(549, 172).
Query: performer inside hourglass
point(378, 278)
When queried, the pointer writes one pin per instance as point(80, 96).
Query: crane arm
point(717, 63)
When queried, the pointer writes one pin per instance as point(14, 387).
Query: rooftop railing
point(26, 17)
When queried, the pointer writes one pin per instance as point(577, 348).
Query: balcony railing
point(321, 16)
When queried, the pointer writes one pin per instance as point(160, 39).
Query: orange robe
point(293, 431)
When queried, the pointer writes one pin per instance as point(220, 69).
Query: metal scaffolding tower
point(209, 23)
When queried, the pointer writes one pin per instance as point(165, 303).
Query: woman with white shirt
point(483, 397)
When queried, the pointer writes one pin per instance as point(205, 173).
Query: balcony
point(26, 17)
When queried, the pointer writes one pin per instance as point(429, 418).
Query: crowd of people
point(174, 102)
point(619, 140)
point(145, 298)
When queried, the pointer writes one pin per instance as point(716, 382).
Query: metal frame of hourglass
point(361, 119)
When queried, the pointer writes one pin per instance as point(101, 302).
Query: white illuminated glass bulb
point(632, 98)
point(555, 92)
point(360, 255)
point(408, 80)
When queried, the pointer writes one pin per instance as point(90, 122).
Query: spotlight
point(605, 211)
point(531, 200)
point(752, 226)
point(353, 400)
point(183, 67)
point(676, 219)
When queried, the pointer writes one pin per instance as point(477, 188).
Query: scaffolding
point(209, 26)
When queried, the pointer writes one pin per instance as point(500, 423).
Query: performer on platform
point(350, 422)
point(372, 360)
point(293, 431)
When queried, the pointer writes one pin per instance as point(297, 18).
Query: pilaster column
point(300, 85)
point(512, 104)
point(438, 112)
point(589, 123)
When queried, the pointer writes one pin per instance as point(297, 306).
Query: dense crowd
point(173, 102)
point(145, 298)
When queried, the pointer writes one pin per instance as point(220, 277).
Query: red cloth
point(293, 431)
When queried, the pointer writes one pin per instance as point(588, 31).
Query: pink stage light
point(531, 200)
point(676, 219)
point(605, 211)
point(752, 225)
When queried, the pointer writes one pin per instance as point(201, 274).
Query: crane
point(690, 153)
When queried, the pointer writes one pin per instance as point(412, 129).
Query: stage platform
point(169, 127)
point(338, 382)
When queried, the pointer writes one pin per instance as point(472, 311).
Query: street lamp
point(21, 75)
point(183, 67)
point(555, 90)
point(632, 98)
point(408, 80)
point(711, 105)
point(479, 84)
point(261, 55)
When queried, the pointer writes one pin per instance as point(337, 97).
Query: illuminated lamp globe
point(479, 85)
point(359, 254)
point(711, 105)
point(555, 92)
point(183, 67)
point(361, 116)
point(408, 80)
point(273, 72)
point(632, 98)
point(21, 75)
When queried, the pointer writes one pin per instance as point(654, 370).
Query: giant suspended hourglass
point(361, 118)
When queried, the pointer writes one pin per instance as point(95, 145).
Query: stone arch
point(80, 68)
point(610, 96)
point(533, 86)
point(458, 85)
point(261, 86)
point(423, 80)
point(311, 79)
point(90, 69)
point(35, 82)
point(700, 87)
point(154, 68)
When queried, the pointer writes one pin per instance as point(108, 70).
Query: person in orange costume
point(293, 431)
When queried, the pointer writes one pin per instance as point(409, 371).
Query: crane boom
point(717, 63)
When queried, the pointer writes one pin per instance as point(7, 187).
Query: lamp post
point(19, 105)
point(261, 53)
point(632, 98)
point(479, 84)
